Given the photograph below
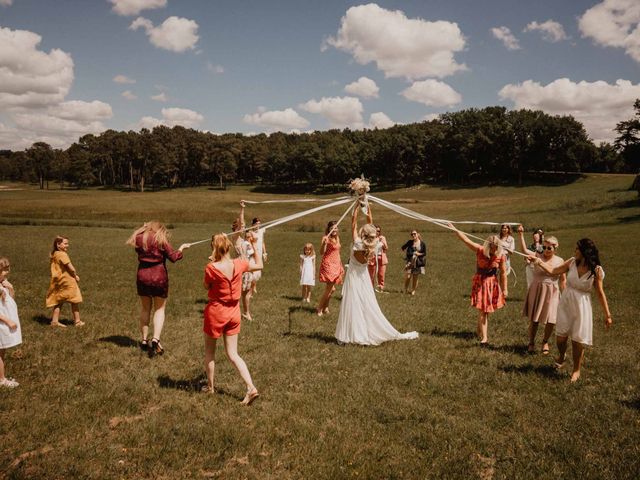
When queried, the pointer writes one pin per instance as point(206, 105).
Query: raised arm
point(560, 269)
point(354, 223)
point(472, 245)
point(369, 214)
point(523, 245)
point(242, 224)
point(603, 298)
point(503, 278)
point(256, 258)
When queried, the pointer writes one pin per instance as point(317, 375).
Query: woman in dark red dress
point(153, 249)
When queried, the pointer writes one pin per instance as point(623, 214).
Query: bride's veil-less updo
point(369, 240)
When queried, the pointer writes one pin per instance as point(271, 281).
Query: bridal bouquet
point(359, 187)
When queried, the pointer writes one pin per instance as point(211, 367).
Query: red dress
point(486, 294)
point(331, 269)
point(152, 279)
point(222, 313)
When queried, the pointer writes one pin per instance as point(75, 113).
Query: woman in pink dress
point(331, 269)
point(378, 262)
point(487, 294)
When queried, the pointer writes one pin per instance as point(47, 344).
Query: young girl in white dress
point(307, 271)
point(575, 314)
point(10, 334)
point(360, 320)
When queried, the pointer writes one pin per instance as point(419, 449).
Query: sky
point(73, 67)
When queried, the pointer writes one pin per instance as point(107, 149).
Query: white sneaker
point(9, 383)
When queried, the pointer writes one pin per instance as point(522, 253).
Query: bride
point(360, 320)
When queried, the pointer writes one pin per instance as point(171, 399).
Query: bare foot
point(326, 311)
point(559, 363)
point(575, 376)
point(247, 316)
point(545, 349)
point(58, 324)
point(208, 389)
point(79, 323)
point(318, 312)
point(250, 396)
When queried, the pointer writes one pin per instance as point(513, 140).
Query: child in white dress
point(307, 271)
point(10, 334)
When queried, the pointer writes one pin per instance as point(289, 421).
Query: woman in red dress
point(331, 269)
point(487, 295)
point(223, 280)
point(151, 242)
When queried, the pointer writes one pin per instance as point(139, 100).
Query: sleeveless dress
point(486, 294)
point(9, 309)
point(543, 295)
point(257, 275)
point(575, 314)
point(331, 269)
point(360, 320)
point(308, 275)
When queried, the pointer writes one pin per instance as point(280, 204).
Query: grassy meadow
point(91, 405)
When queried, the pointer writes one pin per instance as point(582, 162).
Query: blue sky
point(263, 66)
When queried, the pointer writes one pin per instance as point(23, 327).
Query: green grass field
point(91, 405)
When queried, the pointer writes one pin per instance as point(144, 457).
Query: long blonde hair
point(492, 240)
point(368, 235)
point(4, 264)
point(158, 230)
point(220, 246)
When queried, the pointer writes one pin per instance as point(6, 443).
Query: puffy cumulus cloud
point(380, 120)
point(340, 111)
point(432, 93)
point(598, 105)
point(614, 23)
point(134, 7)
point(400, 46)
point(171, 117)
point(363, 87)
point(161, 97)
point(551, 30)
point(129, 95)
point(82, 111)
point(175, 33)
point(30, 77)
point(123, 80)
point(506, 37)
point(430, 117)
point(277, 120)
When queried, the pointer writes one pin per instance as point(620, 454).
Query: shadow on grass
point(120, 340)
point(291, 297)
point(192, 385)
point(629, 219)
point(41, 319)
point(317, 336)
point(517, 348)
point(633, 404)
point(546, 371)
point(455, 334)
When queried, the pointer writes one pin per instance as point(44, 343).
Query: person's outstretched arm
point(472, 245)
point(354, 223)
point(564, 268)
point(523, 244)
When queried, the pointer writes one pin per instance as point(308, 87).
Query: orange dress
point(63, 286)
point(331, 269)
point(486, 294)
point(222, 313)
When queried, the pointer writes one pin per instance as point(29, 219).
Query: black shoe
point(144, 345)
point(156, 348)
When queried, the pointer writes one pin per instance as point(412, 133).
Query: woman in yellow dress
point(64, 283)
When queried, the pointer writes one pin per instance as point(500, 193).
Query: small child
point(307, 271)
point(64, 283)
point(10, 334)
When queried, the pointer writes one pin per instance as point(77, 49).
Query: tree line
point(474, 145)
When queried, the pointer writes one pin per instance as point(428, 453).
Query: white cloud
point(614, 23)
point(598, 105)
point(134, 7)
point(217, 69)
point(380, 120)
point(175, 34)
point(432, 93)
point(161, 97)
point(33, 87)
point(430, 116)
point(30, 77)
point(171, 117)
point(129, 95)
point(340, 111)
point(506, 37)
point(551, 30)
point(277, 120)
point(363, 87)
point(123, 80)
point(6, 3)
point(400, 46)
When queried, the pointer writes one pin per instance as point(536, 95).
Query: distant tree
point(41, 156)
point(628, 140)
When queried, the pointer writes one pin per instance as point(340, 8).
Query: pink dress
point(541, 304)
point(331, 269)
point(486, 294)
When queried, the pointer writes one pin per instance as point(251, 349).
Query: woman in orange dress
point(487, 294)
point(223, 280)
point(331, 269)
point(64, 283)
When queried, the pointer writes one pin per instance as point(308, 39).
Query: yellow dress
point(63, 287)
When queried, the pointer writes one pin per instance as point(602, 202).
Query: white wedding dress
point(360, 320)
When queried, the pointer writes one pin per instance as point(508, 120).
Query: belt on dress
point(487, 272)
point(142, 264)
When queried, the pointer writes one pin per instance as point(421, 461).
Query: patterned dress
point(486, 294)
point(152, 279)
point(63, 286)
point(331, 269)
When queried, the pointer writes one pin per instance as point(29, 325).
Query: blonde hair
point(220, 246)
point(492, 240)
point(552, 240)
point(4, 265)
point(158, 230)
point(368, 235)
point(57, 241)
point(310, 247)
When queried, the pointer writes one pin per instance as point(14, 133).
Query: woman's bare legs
point(145, 314)
point(231, 349)
point(561, 342)
point(246, 303)
point(323, 304)
point(209, 361)
point(483, 327)
point(55, 317)
point(414, 283)
point(158, 316)
point(75, 311)
point(577, 351)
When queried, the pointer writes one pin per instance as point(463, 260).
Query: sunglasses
point(549, 247)
point(413, 233)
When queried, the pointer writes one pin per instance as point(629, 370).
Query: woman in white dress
point(360, 320)
point(575, 315)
